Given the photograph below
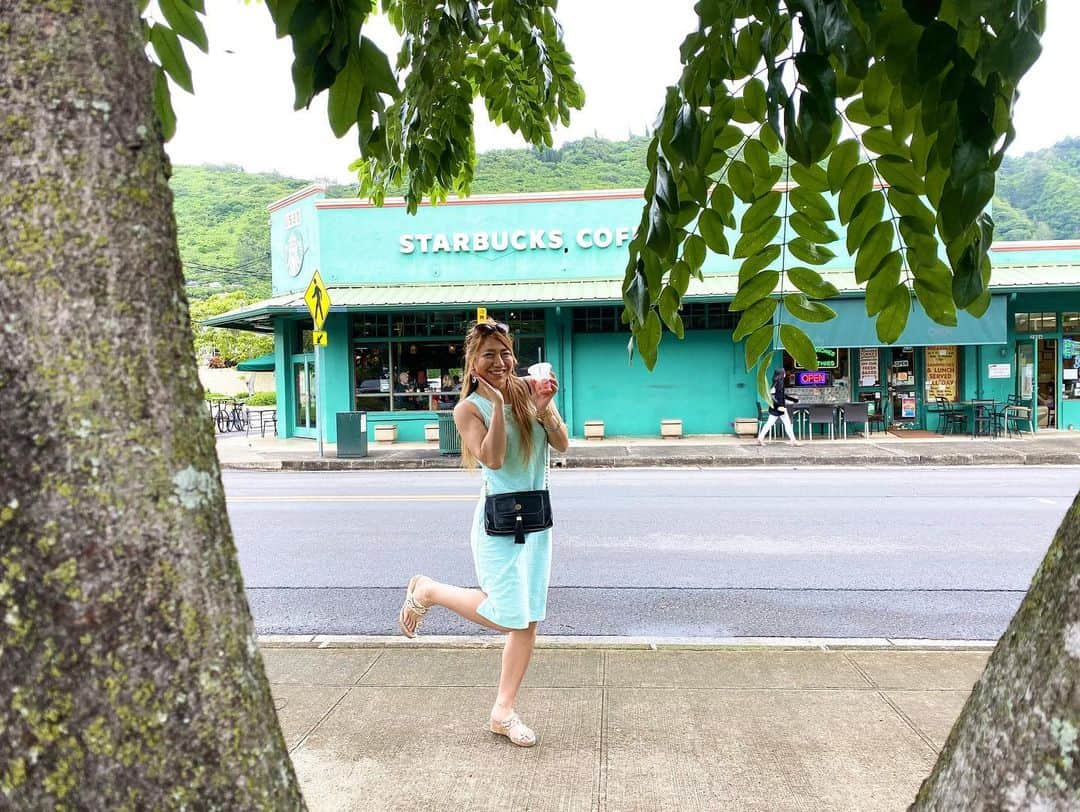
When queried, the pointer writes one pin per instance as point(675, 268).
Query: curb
point(688, 460)
point(492, 641)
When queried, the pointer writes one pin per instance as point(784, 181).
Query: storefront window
point(372, 365)
point(1070, 355)
point(942, 373)
point(1035, 322)
point(828, 383)
point(426, 375)
point(599, 320)
point(420, 367)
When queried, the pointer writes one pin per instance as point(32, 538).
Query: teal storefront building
point(404, 289)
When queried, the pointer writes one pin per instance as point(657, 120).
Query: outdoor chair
point(856, 413)
point(1014, 415)
point(821, 415)
point(950, 418)
point(984, 419)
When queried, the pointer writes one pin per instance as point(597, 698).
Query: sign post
point(318, 301)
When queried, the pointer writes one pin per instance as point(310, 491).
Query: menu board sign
point(941, 373)
point(868, 366)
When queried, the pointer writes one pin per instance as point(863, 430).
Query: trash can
point(352, 434)
point(449, 439)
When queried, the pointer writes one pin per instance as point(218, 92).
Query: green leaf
point(741, 180)
point(967, 286)
point(878, 243)
point(648, 339)
point(711, 228)
point(378, 76)
point(842, 160)
point(900, 174)
point(893, 318)
point(184, 22)
point(799, 345)
point(752, 242)
point(686, 134)
point(877, 90)
point(759, 313)
point(756, 158)
point(882, 283)
point(806, 310)
point(728, 137)
point(960, 207)
point(658, 237)
point(171, 55)
point(868, 213)
point(881, 141)
point(163, 104)
point(668, 304)
point(754, 99)
point(757, 288)
point(811, 283)
point(757, 262)
point(812, 204)
point(345, 94)
point(679, 278)
point(694, 251)
point(938, 305)
point(757, 344)
point(858, 184)
point(760, 211)
point(806, 251)
point(722, 200)
point(979, 307)
point(812, 178)
point(812, 230)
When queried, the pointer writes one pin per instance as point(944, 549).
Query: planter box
point(671, 428)
point(386, 432)
point(745, 426)
point(431, 432)
point(594, 429)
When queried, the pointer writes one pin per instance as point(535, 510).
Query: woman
point(506, 424)
point(780, 400)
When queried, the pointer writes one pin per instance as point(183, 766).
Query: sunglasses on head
point(489, 327)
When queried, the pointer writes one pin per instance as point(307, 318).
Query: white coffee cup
point(540, 371)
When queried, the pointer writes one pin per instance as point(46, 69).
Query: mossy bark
point(128, 664)
point(1016, 744)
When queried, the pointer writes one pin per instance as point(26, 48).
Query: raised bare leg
point(457, 599)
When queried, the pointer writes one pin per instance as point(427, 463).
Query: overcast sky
point(625, 53)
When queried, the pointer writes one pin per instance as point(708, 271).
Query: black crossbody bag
point(520, 512)
point(515, 514)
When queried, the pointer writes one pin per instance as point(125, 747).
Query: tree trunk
point(128, 664)
point(1015, 745)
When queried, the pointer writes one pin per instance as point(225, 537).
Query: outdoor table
point(968, 407)
point(800, 421)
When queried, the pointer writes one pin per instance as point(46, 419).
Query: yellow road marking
point(432, 497)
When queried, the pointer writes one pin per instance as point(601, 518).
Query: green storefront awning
point(853, 328)
point(264, 363)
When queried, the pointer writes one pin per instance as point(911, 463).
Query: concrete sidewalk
point(1045, 448)
point(390, 725)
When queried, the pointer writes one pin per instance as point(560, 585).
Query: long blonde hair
point(517, 394)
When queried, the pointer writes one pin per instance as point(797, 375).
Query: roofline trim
point(300, 194)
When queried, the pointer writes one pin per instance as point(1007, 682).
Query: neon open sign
point(812, 378)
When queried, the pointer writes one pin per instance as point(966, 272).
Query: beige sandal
point(413, 606)
point(515, 730)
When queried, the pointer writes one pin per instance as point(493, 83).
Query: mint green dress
point(514, 577)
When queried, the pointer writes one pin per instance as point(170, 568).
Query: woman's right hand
point(485, 389)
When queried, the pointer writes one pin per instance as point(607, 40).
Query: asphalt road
point(900, 552)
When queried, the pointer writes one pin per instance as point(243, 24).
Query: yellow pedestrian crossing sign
point(318, 300)
point(318, 338)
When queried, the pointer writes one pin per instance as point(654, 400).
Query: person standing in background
point(779, 410)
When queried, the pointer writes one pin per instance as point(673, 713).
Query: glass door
point(305, 391)
point(1026, 368)
point(1047, 376)
point(903, 388)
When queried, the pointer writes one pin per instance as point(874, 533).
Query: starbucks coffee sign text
point(520, 239)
